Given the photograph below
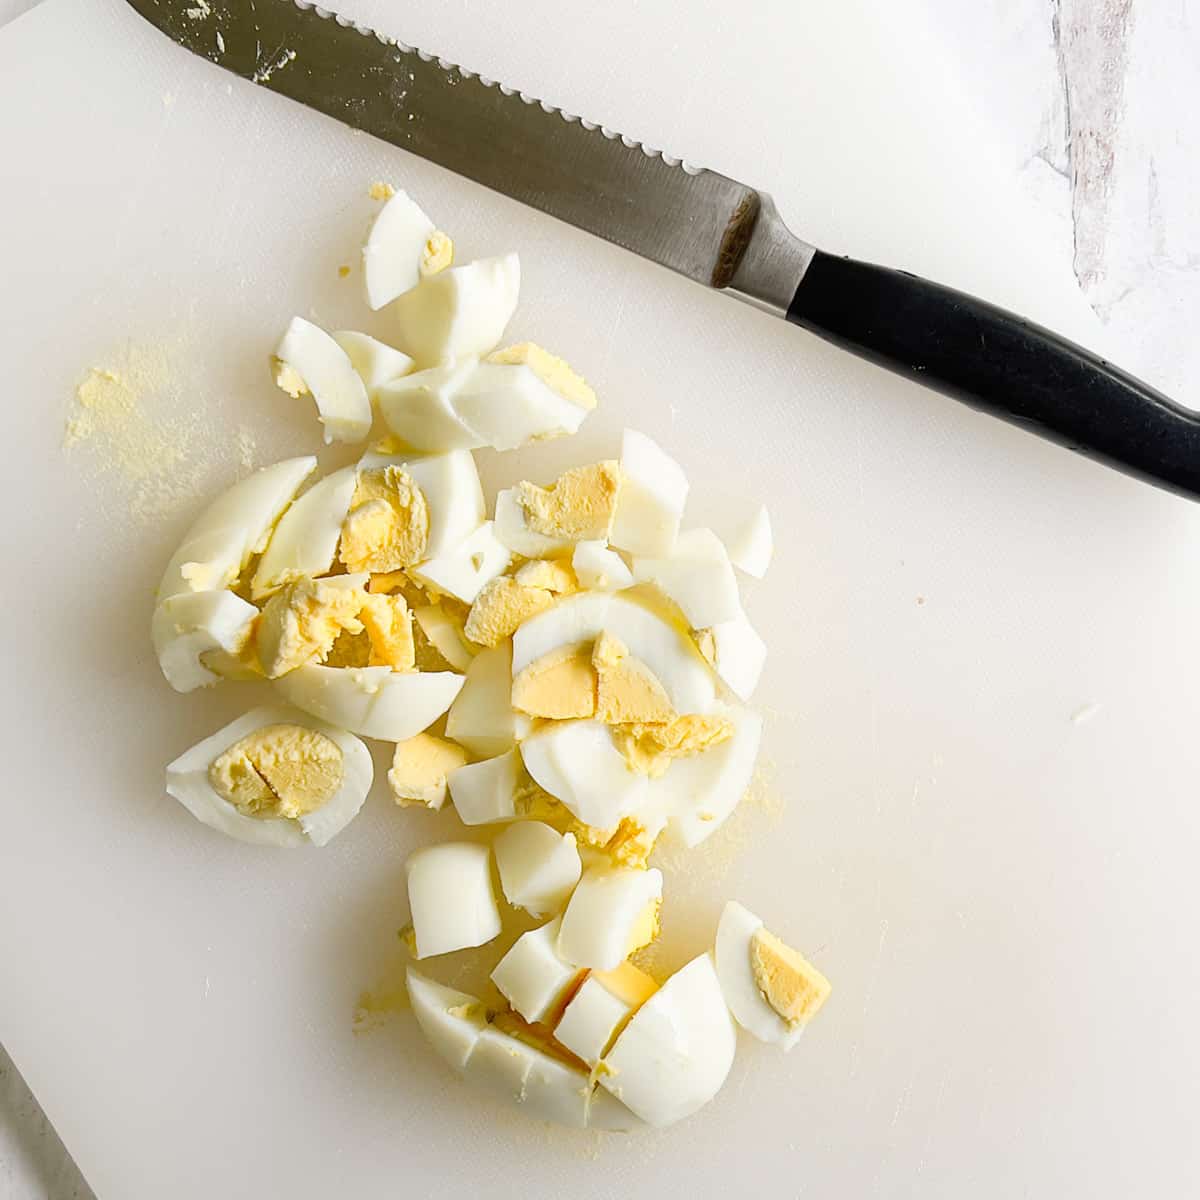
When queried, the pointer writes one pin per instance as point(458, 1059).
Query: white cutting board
point(1001, 896)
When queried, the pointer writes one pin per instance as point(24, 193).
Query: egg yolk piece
point(789, 983)
point(651, 748)
point(579, 505)
point(301, 622)
point(556, 373)
point(627, 690)
point(389, 628)
point(501, 608)
point(559, 686)
point(387, 527)
point(279, 771)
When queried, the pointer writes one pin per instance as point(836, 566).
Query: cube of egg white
point(533, 977)
point(375, 362)
point(484, 793)
point(612, 912)
point(654, 491)
point(600, 568)
point(697, 575)
point(471, 564)
point(751, 546)
point(482, 717)
point(307, 359)
point(451, 897)
point(538, 866)
point(597, 1012)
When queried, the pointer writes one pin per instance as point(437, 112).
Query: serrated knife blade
point(716, 231)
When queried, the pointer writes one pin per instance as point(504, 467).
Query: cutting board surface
point(1000, 893)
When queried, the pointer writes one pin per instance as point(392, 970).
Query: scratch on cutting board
point(1083, 714)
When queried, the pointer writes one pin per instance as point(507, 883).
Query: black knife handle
point(999, 363)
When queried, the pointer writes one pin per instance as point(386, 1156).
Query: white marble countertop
point(1090, 103)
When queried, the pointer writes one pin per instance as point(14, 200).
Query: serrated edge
point(326, 14)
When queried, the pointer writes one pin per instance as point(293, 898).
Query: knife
point(716, 231)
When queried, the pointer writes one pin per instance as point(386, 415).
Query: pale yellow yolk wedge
point(553, 371)
point(651, 749)
point(301, 622)
point(532, 800)
point(420, 767)
point(628, 844)
point(627, 690)
point(278, 771)
point(438, 253)
point(501, 608)
point(645, 928)
point(552, 574)
point(789, 983)
point(578, 505)
point(389, 627)
point(559, 685)
point(388, 524)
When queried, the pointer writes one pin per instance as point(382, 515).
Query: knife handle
point(1001, 364)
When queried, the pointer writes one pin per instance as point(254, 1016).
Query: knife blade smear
point(714, 230)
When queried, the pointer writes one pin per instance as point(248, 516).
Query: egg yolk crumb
point(389, 628)
point(501, 607)
point(553, 371)
point(388, 524)
point(650, 749)
point(559, 686)
point(627, 690)
point(578, 505)
point(288, 378)
point(419, 769)
point(278, 771)
point(301, 622)
point(789, 983)
point(437, 253)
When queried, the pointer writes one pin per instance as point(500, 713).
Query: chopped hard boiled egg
point(485, 792)
point(300, 623)
point(697, 576)
point(654, 492)
point(675, 1053)
point(402, 247)
point(451, 898)
point(387, 527)
point(612, 912)
point(374, 702)
point(559, 685)
point(275, 776)
point(601, 1008)
point(752, 546)
point(421, 409)
point(539, 867)
point(533, 978)
point(305, 541)
point(457, 312)
point(376, 362)
point(482, 717)
point(598, 567)
point(420, 767)
point(450, 1020)
point(771, 989)
point(577, 506)
point(502, 606)
point(233, 528)
point(187, 627)
point(308, 360)
point(444, 632)
point(462, 573)
point(738, 655)
point(626, 689)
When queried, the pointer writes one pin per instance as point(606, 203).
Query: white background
point(1089, 103)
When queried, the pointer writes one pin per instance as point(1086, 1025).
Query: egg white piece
point(376, 362)
point(460, 311)
point(750, 1009)
point(751, 547)
point(234, 527)
point(451, 1021)
point(513, 531)
point(445, 635)
point(740, 655)
point(451, 898)
point(578, 764)
point(374, 702)
point(452, 491)
point(532, 976)
point(305, 540)
point(188, 782)
point(599, 568)
point(325, 370)
point(697, 575)
point(394, 249)
point(668, 652)
point(652, 498)
point(700, 791)
point(603, 913)
point(482, 717)
point(539, 867)
point(421, 408)
point(508, 405)
point(600, 1008)
point(463, 572)
point(483, 792)
point(188, 625)
point(675, 1054)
